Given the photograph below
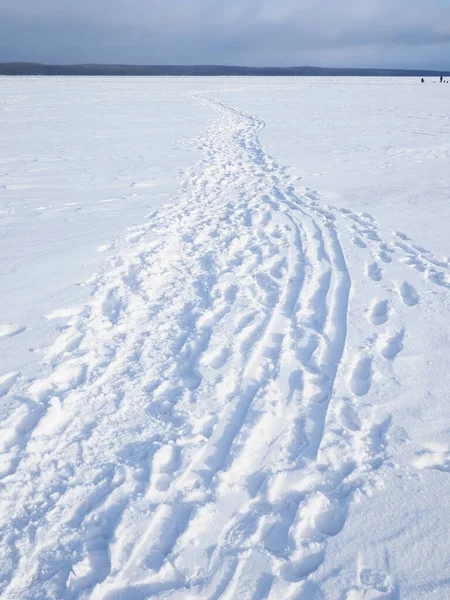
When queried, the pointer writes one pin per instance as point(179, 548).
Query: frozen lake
point(224, 338)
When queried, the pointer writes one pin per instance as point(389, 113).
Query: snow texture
point(248, 399)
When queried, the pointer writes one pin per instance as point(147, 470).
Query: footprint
point(348, 416)
point(165, 462)
point(387, 248)
point(66, 342)
point(265, 218)
point(11, 330)
point(357, 241)
point(68, 375)
point(278, 269)
point(165, 459)
point(249, 265)
point(371, 579)
point(407, 249)
point(303, 564)
point(6, 382)
point(374, 272)
point(408, 294)
point(372, 235)
point(276, 232)
point(104, 247)
point(420, 249)
point(413, 261)
point(384, 256)
point(53, 420)
point(230, 293)
point(438, 278)
point(112, 305)
point(135, 237)
point(390, 347)
point(379, 312)
point(244, 321)
point(328, 515)
point(361, 376)
point(218, 359)
point(435, 456)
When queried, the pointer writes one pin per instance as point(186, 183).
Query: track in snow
point(197, 427)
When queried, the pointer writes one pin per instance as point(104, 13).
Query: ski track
point(197, 426)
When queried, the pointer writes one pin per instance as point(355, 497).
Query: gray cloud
point(404, 33)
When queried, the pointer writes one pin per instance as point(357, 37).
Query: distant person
point(422, 80)
point(442, 79)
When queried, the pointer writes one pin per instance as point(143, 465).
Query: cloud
point(405, 33)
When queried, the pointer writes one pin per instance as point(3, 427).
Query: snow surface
point(224, 338)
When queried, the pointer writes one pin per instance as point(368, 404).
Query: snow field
point(209, 417)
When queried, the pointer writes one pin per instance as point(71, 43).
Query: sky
point(335, 33)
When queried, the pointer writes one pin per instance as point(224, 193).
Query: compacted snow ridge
point(207, 419)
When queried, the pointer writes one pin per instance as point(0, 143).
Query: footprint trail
point(206, 419)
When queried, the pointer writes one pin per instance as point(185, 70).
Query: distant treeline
point(23, 68)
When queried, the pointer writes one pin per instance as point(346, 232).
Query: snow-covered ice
point(224, 339)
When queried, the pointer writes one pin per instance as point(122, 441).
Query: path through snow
point(203, 424)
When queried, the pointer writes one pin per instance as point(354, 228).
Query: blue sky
point(372, 33)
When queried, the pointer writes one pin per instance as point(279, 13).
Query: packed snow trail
point(197, 430)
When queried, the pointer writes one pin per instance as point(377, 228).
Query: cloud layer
point(372, 33)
